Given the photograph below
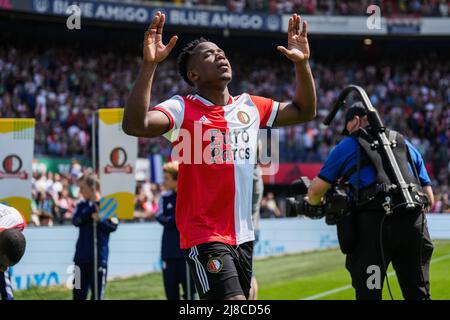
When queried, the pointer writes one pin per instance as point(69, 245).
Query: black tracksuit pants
point(174, 274)
point(406, 243)
point(87, 280)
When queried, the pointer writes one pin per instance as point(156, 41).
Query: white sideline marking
point(343, 288)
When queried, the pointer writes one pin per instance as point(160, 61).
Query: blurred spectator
point(236, 5)
point(146, 206)
point(65, 206)
point(272, 205)
point(43, 209)
point(269, 208)
point(442, 204)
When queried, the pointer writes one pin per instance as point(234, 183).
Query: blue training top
point(82, 218)
point(170, 245)
point(344, 156)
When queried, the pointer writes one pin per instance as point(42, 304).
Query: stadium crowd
point(61, 87)
point(55, 196)
point(322, 7)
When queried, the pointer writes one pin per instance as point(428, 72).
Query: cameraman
point(367, 235)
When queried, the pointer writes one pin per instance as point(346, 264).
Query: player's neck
point(219, 97)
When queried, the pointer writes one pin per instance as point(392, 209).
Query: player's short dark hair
point(12, 244)
point(183, 58)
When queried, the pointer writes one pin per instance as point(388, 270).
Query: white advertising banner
point(117, 165)
point(372, 25)
point(16, 157)
point(344, 25)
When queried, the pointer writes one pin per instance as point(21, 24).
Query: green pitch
point(313, 275)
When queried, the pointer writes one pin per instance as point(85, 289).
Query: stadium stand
point(60, 87)
point(318, 7)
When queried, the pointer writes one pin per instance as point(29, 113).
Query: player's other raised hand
point(298, 48)
point(154, 49)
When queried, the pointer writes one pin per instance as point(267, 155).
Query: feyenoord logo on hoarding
point(11, 168)
point(118, 159)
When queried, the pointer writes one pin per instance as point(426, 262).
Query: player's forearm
point(305, 91)
point(135, 114)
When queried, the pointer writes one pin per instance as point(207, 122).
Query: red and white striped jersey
point(10, 218)
point(216, 147)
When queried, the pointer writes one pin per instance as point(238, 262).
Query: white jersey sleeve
point(173, 108)
point(10, 218)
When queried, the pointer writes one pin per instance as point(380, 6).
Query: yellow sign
point(117, 162)
point(16, 156)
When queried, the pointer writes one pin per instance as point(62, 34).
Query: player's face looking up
point(209, 67)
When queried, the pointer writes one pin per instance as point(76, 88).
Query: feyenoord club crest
point(118, 159)
point(11, 168)
point(215, 265)
point(243, 117)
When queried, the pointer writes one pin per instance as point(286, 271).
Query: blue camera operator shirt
point(344, 156)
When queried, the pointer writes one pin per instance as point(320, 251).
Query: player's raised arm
point(303, 105)
point(137, 120)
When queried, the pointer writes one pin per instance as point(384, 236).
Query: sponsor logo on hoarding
point(108, 10)
point(273, 23)
point(11, 168)
point(404, 24)
point(118, 159)
point(41, 6)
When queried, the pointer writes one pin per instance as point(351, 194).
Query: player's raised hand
point(154, 49)
point(298, 48)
